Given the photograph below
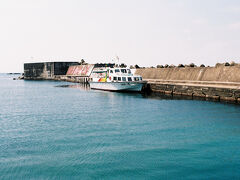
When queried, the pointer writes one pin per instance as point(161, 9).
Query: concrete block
point(199, 95)
point(187, 94)
point(228, 99)
point(159, 91)
point(177, 93)
point(236, 93)
point(212, 98)
point(238, 100)
point(168, 92)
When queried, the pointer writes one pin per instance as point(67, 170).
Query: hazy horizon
point(143, 32)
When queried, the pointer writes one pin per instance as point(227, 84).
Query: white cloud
point(199, 21)
point(234, 26)
point(232, 9)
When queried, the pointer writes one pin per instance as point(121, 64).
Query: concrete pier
point(46, 70)
point(220, 83)
point(217, 91)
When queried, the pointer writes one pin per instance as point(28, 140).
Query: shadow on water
point(147, 95)
point(160, 96)
point(84, 87)
point(152, 95)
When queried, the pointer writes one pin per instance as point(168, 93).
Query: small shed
point(80, 73)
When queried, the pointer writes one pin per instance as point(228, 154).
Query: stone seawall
point(74, 79)
point(211, 83)
point(229, 93)
point(46, 70)
point(220, 73)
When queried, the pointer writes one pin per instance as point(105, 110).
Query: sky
point(143, 32)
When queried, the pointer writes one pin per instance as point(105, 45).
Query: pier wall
point(63, 71)
point(220, 73)
point(46, 70)
point(208, 92)
point(220, 83)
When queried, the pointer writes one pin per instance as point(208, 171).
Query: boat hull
point(117, 86)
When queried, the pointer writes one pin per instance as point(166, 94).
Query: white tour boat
point(115, 79)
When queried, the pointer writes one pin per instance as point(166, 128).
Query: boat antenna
point(117, 59)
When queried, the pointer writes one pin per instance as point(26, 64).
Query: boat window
point(136, 78)
point(119, 78)
point(111, 71)
point(140, 78)
point(99, 71)
point(114, 78)
point(124, 79)
point(129, 79)
point(129, 71)
point(117, 70)
point(123, 71)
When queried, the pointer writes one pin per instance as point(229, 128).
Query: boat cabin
point(114, 75)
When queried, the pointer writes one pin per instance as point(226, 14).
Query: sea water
point(60, 130)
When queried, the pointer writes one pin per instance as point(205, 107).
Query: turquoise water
point(51, 131)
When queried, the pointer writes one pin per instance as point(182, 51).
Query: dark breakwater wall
point(220, 83)
point(228, 94)
point(46, 70)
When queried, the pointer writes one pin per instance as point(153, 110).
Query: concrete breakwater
point(221, 83)
point(60, 71)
